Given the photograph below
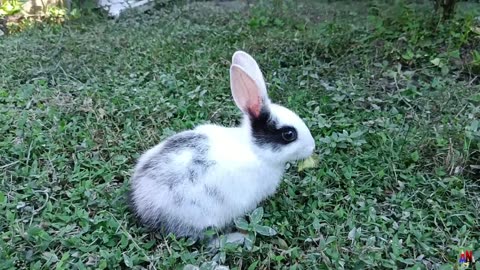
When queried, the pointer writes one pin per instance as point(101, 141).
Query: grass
point(391, 96)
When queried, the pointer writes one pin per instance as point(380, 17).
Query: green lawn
point(391, 96)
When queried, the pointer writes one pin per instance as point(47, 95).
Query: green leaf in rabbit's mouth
point(307, 163)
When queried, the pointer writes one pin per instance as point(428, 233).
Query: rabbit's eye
point(289, 135)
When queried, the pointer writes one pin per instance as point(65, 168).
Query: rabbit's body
point(208, 176)
point(207, 189)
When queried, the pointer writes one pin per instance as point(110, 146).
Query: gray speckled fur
point(214, 192)
point(157, 168)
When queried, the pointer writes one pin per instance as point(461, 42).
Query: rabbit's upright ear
point(248, 86)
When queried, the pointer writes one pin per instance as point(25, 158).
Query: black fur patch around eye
point(266, 133)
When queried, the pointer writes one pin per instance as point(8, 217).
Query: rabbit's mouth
point(306, 153)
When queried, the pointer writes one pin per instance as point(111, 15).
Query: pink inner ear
point(246, 92)
point(255, 107)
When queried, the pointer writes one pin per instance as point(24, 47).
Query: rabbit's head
point(278, 134)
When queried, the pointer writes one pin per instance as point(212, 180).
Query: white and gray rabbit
point(208, 176)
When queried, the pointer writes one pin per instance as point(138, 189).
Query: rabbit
point(206, 177)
